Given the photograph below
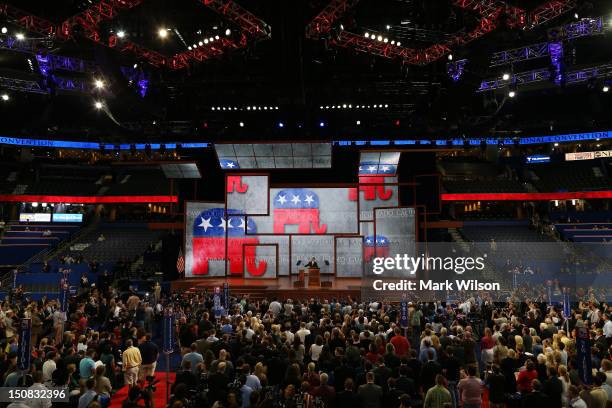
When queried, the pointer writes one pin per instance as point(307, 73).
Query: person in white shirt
point(302, 332)
point(38, 385)
point(574, 398)
point(607, 327)
point(49, 367)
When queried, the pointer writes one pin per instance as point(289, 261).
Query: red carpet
point(160, 393)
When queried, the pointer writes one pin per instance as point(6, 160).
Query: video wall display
point(264, 232)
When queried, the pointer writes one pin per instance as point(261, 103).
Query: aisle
point(159, 396)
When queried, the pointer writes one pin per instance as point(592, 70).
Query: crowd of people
point(311, 353)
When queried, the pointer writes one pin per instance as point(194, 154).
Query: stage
point(281, 288)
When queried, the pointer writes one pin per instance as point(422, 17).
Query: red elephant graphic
point(297, 206)
point(209, 242)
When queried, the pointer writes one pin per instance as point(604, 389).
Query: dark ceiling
point(300, 75)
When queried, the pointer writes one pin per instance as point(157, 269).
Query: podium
point(314, 277)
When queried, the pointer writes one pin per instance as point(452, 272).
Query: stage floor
point(281, 287)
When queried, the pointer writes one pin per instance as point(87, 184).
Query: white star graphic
point(230, 165)
point(242, 224)
point(382, 241)
point(281, 199)
point(385, 168)
point(223, 224)
point(360, 168)
point(296, 199)
point(372, 168)
point(205, 223)
point(369, 241)
point(309, 199)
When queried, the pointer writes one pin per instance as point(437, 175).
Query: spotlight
point(135, 66)
point(121, 34)
point(379, 38)
point(341, 27)
point(392, 42)
point(241, 124)
point(386, 40)
point(556, 144)
point(248, 108)
point(605, 88)
point(211, 39)
point(5, 97)
point(358, 123)
point(344, 106)
point(228, 31)
point(4, 30)
point(281, 124)
point(99, 84)
point(386, 105)
point(388, 27)
point(367, 35)
point(98, 105)
point(450, 57)
point(576, 16)
point(512, 94)
point(195, 45)
point(162, 32)
point(506, 76)
point(399, 43)
point(321, 124)
point(216, 37)
point(20, 36)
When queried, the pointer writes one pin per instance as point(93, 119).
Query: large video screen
point(297, 224)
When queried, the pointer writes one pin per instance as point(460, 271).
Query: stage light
point(375, 106)
point(135, 66)
point(4, 30)
point(276, 108)
point(248, 108)
point(265, 108)
point(341, 27)
point(241, 124)
point(576, 16)
point(397, 122)
point(121, 34)
point(388, 27)
point(321, 124)
point(367, 35)
point(556, 144)
point(392, 42)
point(379, 38)
point(512, 94)
point(350, 106)
point(281, 124)
point(344, 106)
point(450, 57)
point(228, 31)
point(98, 105)
point(189, 48)
point(605, 88)
point(386, 40)
point(162, 32)
point(20, 36)
point(358, 123)
point(216, 37)
point(506, 76)
point(5, 97)
point(211, 39)
point(399, 43)
point(99, 84)
point(386, 106)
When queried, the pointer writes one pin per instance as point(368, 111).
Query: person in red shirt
point(401, 344)
point(525, 378)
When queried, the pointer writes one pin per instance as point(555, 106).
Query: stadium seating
point(122, 241)
point(570, 176)
point(138, 181)
point(21, 242)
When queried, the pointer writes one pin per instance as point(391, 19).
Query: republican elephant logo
point(297, 206)
point(210, 229)
point(371, 174)
point(375, 247)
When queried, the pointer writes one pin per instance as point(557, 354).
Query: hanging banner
point(168, 331)
point(24, 354)
point(404, 314)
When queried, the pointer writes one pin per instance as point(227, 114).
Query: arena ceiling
point(305, 64)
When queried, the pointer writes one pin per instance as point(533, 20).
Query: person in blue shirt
point(87, 366)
